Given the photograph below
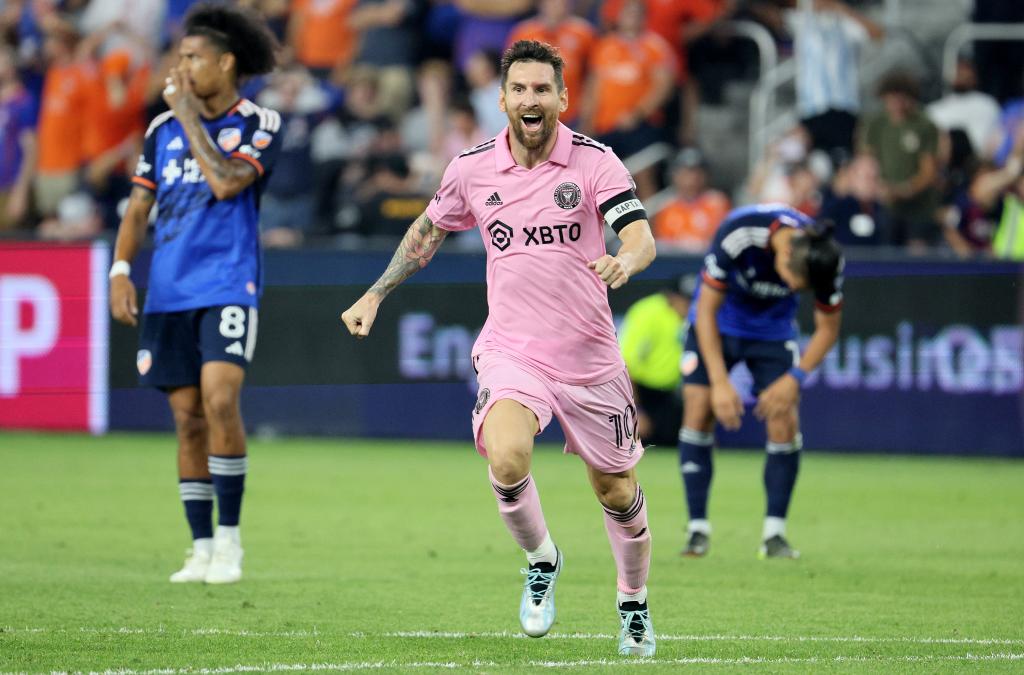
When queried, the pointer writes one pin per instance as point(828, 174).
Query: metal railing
point(767, 52)
point(974, 32)
point(762, 107)
point(768, 62)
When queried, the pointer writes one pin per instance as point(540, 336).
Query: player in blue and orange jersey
point(204, 163)
point(760, 258)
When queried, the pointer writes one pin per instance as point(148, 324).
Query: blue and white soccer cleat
point(637, 635)
point(537, 608)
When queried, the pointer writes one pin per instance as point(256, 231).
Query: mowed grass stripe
point(567, 665)
point(351, 543)
point(460, 635)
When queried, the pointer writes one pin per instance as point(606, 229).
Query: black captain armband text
point(623, 209)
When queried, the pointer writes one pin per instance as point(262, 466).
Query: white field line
point(717, 638)
point(447, 635)
point(588, 663)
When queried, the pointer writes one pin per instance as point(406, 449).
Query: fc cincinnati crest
point(481, 400)
point(143, 361)
point(568, 195)
point(229, 139)
point(261, 139)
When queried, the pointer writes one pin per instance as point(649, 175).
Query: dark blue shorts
point(173, 346)
point(767, 360)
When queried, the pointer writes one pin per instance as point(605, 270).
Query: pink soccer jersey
point(541, 227)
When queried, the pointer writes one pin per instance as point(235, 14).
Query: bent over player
point(539, 194)
point(203, 163)
point(745, 310)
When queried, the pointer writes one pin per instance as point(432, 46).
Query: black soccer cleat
point(777, 547)
point(697, 545)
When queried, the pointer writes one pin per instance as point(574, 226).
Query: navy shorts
point(173, 346)
point(767, 360)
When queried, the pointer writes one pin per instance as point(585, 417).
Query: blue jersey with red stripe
point(758, 303)
point(207, 250)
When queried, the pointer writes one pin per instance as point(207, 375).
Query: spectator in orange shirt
point(690, 220)
point(115, 122)
point(632, 72)
point(61, 122)
point(574, 37)
point(681, 23)
point(320, 34)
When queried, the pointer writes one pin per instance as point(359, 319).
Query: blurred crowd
point(378, 95)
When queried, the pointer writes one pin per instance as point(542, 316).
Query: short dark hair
point(238, 30)
point(532, 50)
point(816, 256)
point(899, 82)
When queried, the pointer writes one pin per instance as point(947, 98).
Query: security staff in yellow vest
point(651, 338)
point(1005, 184)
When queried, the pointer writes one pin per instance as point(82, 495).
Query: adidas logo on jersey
point(176, 144)
point(494, 200)
point(236, 349)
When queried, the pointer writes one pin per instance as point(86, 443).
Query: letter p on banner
point(53, 336)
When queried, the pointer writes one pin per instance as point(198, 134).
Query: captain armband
point(623, 209)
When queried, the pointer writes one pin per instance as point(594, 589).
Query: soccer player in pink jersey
point(540, 195)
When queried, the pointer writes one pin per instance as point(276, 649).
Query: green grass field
point(390, 556)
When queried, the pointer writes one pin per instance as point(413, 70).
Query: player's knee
point(616, 495)
point(697, 413)
point(191, 427)
point(221, 405)
point(783, 430)
point(510, 461)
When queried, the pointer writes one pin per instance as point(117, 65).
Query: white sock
point(546, 552)
point(701, 525)
point(231, 533)
point(773, 526)
point(204, 545)
point(640, 596)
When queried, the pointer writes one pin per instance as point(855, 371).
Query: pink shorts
point(599, 421)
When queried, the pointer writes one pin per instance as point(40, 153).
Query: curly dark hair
point(238, 30)
point(531, 50)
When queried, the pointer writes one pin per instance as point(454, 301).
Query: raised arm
point(989, 186)
point(226, 176)
point(418, 246)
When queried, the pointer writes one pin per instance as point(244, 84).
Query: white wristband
point(120, 267)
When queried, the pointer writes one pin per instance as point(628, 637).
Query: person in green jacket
point(651, 338)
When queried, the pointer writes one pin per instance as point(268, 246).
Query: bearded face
point(532, 101)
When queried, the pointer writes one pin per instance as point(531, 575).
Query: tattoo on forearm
point(418, 246)
point(203, 149)
point(143, 196)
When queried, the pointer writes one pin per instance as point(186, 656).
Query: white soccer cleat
point(537, 608)
point(226, 562)
point(197, 562)
point(637, 635)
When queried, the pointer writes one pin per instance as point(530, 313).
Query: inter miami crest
point(568, 195)
point(481, 400)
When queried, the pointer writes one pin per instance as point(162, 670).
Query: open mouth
point(532, 121)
